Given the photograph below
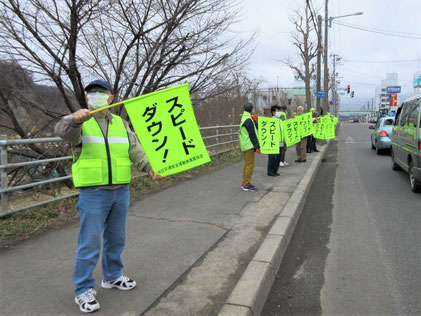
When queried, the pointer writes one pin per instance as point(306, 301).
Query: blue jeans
point(101, 212)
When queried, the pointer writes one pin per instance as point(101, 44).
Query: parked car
point(380, 134)
point(406, 141)
point(372, 119)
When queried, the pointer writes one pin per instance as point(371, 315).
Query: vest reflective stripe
point(103, 161)
point(101, 140)
point(93, 139)
point(245, 141)
point(118, 140)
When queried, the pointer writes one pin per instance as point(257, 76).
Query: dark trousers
point(273, 163)
point(282, 153)
point(311, 144)
point(314, 148)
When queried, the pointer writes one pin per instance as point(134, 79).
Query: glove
point(254, 117)
point(258, 151)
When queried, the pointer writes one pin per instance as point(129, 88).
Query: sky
point(366, 57)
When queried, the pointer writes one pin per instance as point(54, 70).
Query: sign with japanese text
point(393, 99)
point(166, 126)
point(291, 129)
point(319, 130)
point(393, 89)
point(330, 129)
point(269, 135)
point(306, 124)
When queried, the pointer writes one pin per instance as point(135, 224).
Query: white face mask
point(278, 114)
point(97, 100)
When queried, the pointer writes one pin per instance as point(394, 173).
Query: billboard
point(393, 89)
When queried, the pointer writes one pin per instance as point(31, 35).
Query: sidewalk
point(187, 247)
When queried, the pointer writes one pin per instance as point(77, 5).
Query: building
point(382, 97)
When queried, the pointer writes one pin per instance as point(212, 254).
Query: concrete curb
point(250, 293)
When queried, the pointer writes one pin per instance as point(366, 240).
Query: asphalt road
point(356, 249)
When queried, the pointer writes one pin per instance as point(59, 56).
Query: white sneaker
point(286, 164)
point(122, 283)
point(281, 164)
point(87, 301)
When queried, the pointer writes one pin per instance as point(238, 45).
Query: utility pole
point(325, 60)
point(319, 60)
point(334, 87)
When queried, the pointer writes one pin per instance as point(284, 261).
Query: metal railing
point(224, 141)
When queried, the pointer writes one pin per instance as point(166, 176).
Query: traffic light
point(352, 94)
point(348, 88)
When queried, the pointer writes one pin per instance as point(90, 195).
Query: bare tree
point(55, 47)
point(139, 45)
point(303, 39)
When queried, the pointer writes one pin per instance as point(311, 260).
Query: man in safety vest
point(283, 149)
point(300, 147)
point(103, 148)
point(277, 160)
point(248, 144)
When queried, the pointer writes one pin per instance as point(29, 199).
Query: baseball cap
point(100, 83)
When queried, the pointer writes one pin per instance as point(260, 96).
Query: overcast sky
point(367, 57)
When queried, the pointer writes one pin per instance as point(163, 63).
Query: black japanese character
point(154, 124)
point(150, 112)
point(174, 119)
point(162, 145)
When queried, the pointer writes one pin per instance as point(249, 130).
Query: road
point(356, 249)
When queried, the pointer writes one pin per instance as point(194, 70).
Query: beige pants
point(248, 166)
point(301, 148)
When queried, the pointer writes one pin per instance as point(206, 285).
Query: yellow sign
point(166, 126)
point(269, 135)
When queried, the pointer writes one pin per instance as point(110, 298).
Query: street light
point(342, 16)
point(328, 22)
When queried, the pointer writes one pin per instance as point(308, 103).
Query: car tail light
point(383, 134)
point(419, 144)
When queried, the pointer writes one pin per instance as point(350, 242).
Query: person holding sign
point(300, 147)
point(103, 148)
point(248, 144)
point(313, 146)
point(274, 159)
point(283, 149)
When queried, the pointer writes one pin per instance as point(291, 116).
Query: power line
point(381, 61)
point(313, 15)
point(380, 30)
point(377, 31)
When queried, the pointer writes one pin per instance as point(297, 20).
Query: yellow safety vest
point(103, 160)
point(245, 141)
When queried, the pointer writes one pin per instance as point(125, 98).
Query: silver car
point(380, 134)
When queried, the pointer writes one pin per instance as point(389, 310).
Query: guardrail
point(216, 140)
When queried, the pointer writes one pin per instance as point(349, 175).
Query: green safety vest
point(282, 129)
point(103, 160)
point(245, 141)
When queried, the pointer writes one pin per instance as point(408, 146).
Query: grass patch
point(25, 224)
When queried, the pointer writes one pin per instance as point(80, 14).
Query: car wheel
point(415, 187)
point(395, 166)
